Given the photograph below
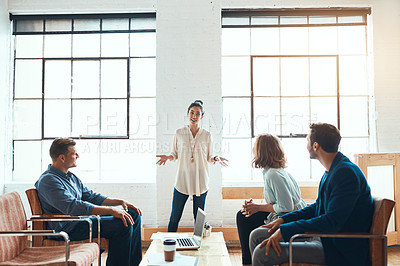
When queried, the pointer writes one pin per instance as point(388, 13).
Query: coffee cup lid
point(169, 242)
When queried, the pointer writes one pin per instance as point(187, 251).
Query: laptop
point(195, 241)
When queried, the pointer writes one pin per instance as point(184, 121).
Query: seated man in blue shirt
point(60, 191)
point(344, 204)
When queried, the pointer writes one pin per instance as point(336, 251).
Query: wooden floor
point(394, 255)
point(236, 256)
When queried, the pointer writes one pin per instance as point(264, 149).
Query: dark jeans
point(178, 203)
point(125, 243)
point(245, 225)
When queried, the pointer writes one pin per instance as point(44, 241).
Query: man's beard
point(312, 155)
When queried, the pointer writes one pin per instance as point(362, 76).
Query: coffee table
point(213, 251)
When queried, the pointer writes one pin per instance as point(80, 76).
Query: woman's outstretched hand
point(222, 161)
point(163, 159)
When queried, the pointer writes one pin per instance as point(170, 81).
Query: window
point(284, 69)
point(92, 78)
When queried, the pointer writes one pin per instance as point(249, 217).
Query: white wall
point(386, 22)
point(5, 149)
point(188, 67)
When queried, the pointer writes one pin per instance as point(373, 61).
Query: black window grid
point(16, 18)
point(72, 17)
point(286, 12)
point(337, 12)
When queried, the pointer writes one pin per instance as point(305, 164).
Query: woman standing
point(192, 147)
point(281, 192)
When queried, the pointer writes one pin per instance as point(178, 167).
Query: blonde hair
point(269, 152)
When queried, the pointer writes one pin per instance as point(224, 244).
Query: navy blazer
point(344, 204)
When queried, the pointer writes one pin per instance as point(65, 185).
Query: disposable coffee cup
point(169, 249)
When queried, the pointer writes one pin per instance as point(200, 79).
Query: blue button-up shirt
point(61, 192)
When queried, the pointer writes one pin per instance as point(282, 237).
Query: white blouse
point(192, 175)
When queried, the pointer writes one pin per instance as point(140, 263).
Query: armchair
point(14, 248)
point(39, 219)
point(378, 241)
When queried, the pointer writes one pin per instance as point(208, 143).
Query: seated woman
point(281, 192)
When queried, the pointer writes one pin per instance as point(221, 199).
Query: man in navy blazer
point(344, 204)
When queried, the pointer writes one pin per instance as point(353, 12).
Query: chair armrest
point(333, 235)
point(27, 232)
point(41, 233)
point(337, 235)
point(59, 217)
point(54, 216)
point(63, 218)
point(36, 233)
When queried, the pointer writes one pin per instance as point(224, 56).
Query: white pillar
point(5, 97)
point(188, 68)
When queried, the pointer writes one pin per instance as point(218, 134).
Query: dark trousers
point(245, 225)
point(125, 243)
point(178, 203)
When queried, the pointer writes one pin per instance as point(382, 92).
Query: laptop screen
point(200, 221)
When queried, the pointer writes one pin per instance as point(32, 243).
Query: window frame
point(129, 135)
point(72, 17)
point(247, 16)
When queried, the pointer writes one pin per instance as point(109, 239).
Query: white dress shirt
point(192, 175)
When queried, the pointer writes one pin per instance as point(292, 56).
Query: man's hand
point(123, 215)
point(116, 202)
point(127, 205)
point(274, 225)
point(273, 241)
